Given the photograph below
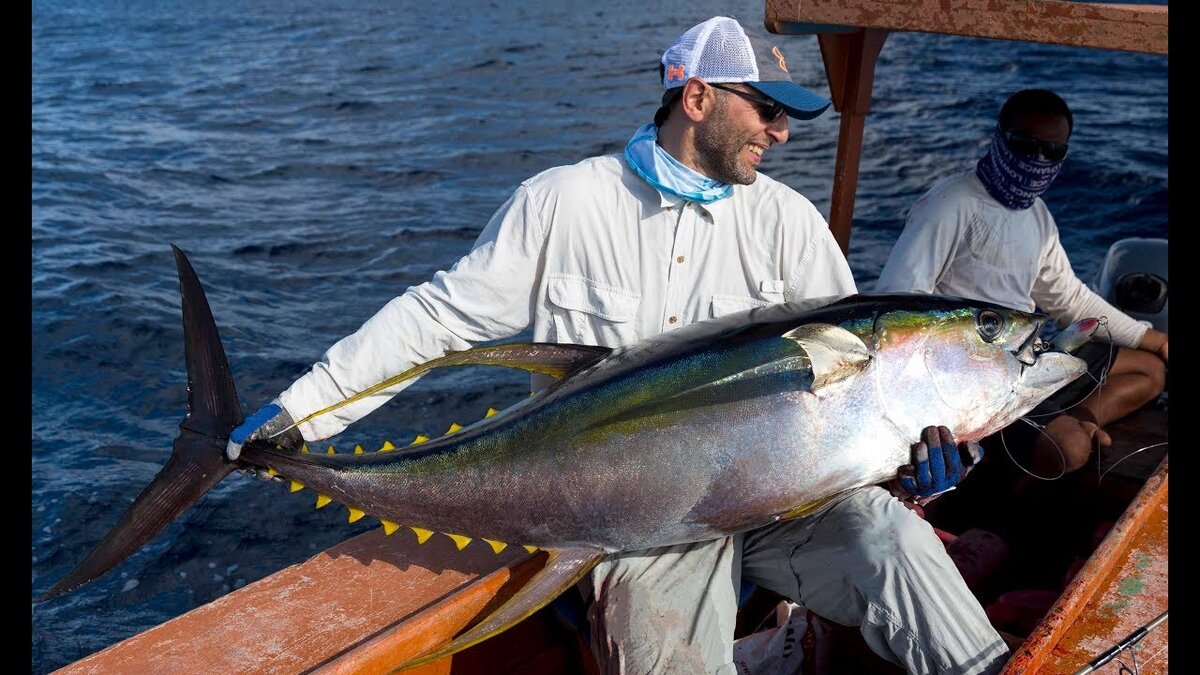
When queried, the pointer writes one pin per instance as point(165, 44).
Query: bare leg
point(1136, 378)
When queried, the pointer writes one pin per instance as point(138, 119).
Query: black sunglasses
point(1024, 144)
point(768, 109)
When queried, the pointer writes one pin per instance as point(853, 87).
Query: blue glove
point(267, 423)
point(938, 463)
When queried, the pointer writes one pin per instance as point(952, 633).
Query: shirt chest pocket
point(771, 291)
point(728, 304)
point(589, 312)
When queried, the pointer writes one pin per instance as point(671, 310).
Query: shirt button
point(680, 259)
point(672, 319)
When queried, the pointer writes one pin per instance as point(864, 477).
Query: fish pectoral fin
point(835, 353)
point(557, 360)
point(564, 568)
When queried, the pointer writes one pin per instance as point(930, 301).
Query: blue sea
point(315, 159)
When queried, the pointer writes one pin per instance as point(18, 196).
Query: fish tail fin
point(197, 461)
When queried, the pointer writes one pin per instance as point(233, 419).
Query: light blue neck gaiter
point(658, 168)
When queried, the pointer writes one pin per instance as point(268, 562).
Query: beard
point(719, 148)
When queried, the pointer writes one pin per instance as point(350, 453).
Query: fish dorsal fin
point(556, 360)
point(834, 352)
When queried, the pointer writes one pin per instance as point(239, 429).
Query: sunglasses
point(768, 109)
point(1024, 144)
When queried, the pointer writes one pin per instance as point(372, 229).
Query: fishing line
point(1148, 659)
point(1096, 390)
point(1148, 447)
point(1126, 644)
point(1100, 382)
point(1062, 457)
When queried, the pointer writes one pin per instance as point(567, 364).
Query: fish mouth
point(1033, 347)
point(1066, 342)
point(1051, 364)
point(1053, 370)
point(1045, 365)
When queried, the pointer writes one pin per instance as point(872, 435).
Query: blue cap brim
point(800, 103)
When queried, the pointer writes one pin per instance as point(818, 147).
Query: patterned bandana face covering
point(1015, 180)
point(658, 168)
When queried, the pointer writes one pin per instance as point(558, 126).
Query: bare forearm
point(1155, 342)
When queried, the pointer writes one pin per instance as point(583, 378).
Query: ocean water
point(316, 159)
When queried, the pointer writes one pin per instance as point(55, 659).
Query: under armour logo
point(779, 55)
point(675, 72)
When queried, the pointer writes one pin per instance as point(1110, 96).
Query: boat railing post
point(850, 60)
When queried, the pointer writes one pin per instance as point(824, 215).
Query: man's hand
point(266, 424)
point(938, 463)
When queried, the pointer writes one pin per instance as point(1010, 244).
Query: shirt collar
point(670, 201)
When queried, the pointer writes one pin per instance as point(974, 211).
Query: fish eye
point(990, 324)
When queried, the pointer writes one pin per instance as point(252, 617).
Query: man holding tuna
point(678, 228)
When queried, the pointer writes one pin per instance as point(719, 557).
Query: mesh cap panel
point(715, 51)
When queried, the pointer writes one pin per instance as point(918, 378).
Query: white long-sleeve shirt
point(960, 241)
point(588, 254)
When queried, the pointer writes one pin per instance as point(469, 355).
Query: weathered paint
point(1136, 28)
point(1122, 587)
point(297, 619)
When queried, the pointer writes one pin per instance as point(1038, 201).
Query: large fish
point(705, 431)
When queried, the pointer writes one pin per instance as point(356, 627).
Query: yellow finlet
point(497, 546)
point(330, 450)
point(272, 472)
point(358, 450)
point(388, 527)
point(387, 447)
point(355, 514)
point(422, 535)
point(491, 411)
point(454, 426)
point(421, 438)
point(322, 501)
point(297, 486)
point(459, 540)
point(531, 549)
point(304, 448)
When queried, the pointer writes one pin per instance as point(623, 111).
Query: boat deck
point(1123, 586)
point(354, 609)
point(1129, 596)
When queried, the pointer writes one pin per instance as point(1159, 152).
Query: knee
point(1151, 368)
point(894, 536)
point(1156, 370)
